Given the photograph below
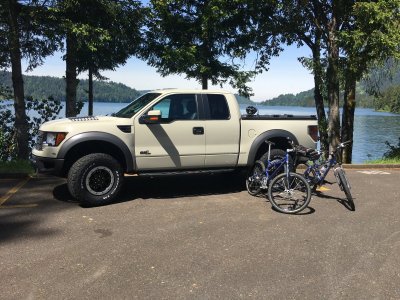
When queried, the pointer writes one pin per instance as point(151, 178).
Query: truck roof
point(189, 91)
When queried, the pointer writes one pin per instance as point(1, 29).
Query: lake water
point(371, 128)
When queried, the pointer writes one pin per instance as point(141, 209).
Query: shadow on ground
point(22, 216)
point(169, 187)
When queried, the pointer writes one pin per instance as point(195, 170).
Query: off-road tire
point(95, 179)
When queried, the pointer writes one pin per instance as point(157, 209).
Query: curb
point(371, 166)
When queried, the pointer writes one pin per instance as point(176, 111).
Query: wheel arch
point(93, 142)
point(278, 136)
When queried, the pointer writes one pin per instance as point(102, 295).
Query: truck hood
point(90, 123)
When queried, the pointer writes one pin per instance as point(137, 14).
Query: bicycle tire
point(289, 193)
point(345, 186)
point(253, 179)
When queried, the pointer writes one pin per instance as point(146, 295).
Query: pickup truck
point(162, 132)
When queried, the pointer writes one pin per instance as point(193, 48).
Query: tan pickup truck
point(162, 132)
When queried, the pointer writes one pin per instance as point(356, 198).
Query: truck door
point(177, 141)
point(222, 132)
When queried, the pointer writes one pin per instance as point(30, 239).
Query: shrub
point(393, 152)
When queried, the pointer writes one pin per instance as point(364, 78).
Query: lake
point(371, 128)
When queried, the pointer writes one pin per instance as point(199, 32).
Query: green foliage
point(42, 111)
point(389, 100)
point(106, 32)
point(205, 40)
point(40, 87)
point(36, 34)
point(16, 166)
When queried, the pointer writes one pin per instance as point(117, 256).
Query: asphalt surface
point(199, 238)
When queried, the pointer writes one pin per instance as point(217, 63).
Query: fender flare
point(97, 136)
point(273, 133)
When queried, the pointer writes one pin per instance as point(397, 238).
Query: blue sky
point(285, 75)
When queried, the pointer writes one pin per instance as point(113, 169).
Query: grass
point(384, 161)
point(16, 166)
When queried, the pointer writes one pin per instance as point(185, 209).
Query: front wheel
point(95, 179)
point(344, 186)
point(255, 177)
point(289, 193)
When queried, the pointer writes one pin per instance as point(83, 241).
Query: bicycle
point(317, 171)
point(288, 192)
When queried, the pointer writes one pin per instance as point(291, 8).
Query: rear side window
point(218, 107)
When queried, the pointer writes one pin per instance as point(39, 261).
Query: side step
point(186, 172)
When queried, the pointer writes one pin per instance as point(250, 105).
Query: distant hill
point(40, 87)
point(306, 99)
point(44, 86)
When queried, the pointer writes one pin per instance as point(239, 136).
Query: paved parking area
point(199, 238)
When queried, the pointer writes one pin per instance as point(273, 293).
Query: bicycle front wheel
point(344, 186)
point(289, 193)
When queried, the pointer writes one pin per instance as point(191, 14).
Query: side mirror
point(152, 117)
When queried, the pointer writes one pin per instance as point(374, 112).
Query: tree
point(301, 23)
point(205, 40)
point(113, 36)
point(344, 38)
point(370, 37)
point(100, 35)
point(23, 35)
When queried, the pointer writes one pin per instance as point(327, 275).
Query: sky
point(285, 75)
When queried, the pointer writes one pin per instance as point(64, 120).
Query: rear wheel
point(255, 177)
point(95, 179)
point(344, 186)
point(289, 193)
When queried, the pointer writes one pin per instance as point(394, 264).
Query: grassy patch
point(16, 166)
point(384, 161)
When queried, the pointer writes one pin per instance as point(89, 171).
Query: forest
point(42, 87)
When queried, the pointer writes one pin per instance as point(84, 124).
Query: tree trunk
point(349, 107)
point(71, 80)
point(90, 100)
point(204, 81)
point(333, 86)
point(319, 99)
point(21, 123)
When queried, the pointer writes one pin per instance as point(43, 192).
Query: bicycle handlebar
point(344, 144)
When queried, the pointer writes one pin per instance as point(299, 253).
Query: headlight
point(50, 139)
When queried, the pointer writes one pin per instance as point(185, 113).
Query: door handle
point(198, 130)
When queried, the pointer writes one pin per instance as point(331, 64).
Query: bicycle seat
point(309, 153)
point(270, 143)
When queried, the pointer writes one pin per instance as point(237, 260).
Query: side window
point(178, 107)
point(218, 106)
point(164, 107)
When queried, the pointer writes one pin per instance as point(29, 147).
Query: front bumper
point(48, 165)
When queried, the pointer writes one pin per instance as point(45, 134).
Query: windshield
point(132, 108)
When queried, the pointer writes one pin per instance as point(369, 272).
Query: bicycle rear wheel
point(254, 178)
point(344, 186)
point(289, 193)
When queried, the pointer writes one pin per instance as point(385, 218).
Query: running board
point(187, 172)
